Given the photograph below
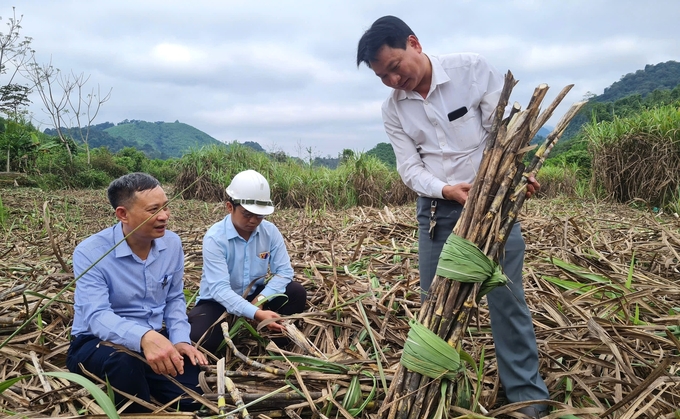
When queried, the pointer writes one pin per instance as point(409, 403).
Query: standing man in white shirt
point(438, 118)
point(240, 252)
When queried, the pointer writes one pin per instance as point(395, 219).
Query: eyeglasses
point(248, 215)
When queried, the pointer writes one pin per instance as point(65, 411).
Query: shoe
point(533, 412)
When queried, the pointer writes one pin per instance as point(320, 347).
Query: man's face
point(402, 69)
point(144, 205)
point(244, 221)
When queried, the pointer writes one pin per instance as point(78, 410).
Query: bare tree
point(15, 53)
point(85, 108)
point(70, 109)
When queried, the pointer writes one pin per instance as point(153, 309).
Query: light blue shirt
point(231, 263)
point(122, 297)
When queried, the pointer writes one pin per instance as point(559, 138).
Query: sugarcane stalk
point(244, 358)
point(236, 397)
point(496, 126)
point(299, 339)
point(548, 112)
point(221, 387)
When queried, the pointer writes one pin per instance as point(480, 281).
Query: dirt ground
point(601, 281)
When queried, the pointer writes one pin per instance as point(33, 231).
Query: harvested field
point(602, 282)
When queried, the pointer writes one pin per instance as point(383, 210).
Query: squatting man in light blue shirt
point(240, 253)
point(134, 297)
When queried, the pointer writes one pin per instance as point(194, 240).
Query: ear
point(413, 41)
point(229, 206)
point(122, 214)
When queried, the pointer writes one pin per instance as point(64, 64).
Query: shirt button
point(434, 123)
point(442, 144)
point(427, 103)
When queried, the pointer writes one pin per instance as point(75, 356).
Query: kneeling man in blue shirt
point(134, 297)
point(246, 267)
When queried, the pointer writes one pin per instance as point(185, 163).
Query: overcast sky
point(283, 73)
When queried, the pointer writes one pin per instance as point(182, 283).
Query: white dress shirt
point(432, 152)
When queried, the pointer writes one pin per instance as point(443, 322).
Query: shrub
point(103, 160)
point(638, 157)
point(133, 159)
point(163, 170)
point(205, 172)
point(90, 179)
point(558, 181)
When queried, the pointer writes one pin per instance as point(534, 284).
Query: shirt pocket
point(467, 132)
point(259, 268)
point(162, 285)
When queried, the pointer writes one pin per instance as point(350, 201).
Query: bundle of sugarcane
point(425, 383)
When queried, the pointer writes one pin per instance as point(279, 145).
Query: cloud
point(279, 72)
point(291, 114)
point(176, 55)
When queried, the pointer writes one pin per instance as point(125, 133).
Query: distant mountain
point(660, 76)
point(158, 140)
point(161, 139)
point(541, 134)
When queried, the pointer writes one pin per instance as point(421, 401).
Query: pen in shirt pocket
point(165, 281)
point(264, 255)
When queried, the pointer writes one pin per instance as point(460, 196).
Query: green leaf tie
point(461, 260)
point(428, 354)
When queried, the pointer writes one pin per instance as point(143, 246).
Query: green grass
point(638, 158)
point(359, 180)
point(4, 215)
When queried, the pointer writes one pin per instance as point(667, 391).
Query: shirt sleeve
point(93, 306)
point(279, 265)
point(409, 163)
point(175, 314)
point(216, 279)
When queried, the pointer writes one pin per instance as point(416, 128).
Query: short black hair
point(388, 30)
point(122, 190)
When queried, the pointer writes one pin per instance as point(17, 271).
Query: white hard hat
point(251, 190)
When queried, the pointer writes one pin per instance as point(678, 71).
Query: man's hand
point(458, 192)
point(532, 186)
point(195, 356)
point(261, 315)
point(161, 354)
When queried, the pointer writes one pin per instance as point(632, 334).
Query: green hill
point(164, 139)
point(643, 82)
point(635, 87)
point(158, 140)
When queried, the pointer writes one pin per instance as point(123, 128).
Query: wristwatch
point(259, 298)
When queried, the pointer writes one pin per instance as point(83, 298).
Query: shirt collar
point(123, 249)
point(439, 76)
point(230, 230)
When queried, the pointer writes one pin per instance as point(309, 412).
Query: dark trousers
point(206, 312)
point(129, 374)
point(511, 324)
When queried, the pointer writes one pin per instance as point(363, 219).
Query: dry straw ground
point(601, 281)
